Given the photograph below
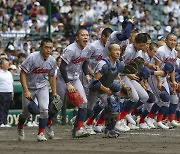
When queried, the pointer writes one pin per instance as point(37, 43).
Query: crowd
point(25, 23)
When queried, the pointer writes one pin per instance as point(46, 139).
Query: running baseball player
point(35, 72)
point(96, 50)
point(74, 59)
point(139, 95)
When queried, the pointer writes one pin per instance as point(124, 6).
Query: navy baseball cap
point(168, 67)
point(144, 72)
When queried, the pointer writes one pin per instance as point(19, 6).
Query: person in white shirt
point(6, 91)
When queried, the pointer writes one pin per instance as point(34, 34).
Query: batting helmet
point(168, 67)
point(115, 86)
point(33, 108)
point(144, 72)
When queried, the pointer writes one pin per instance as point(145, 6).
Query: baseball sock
point(172, 110)
point(81, 116)
point(178, 116)
point(97, 109)
point(21, 121)
point(42, 125)
point(153, 111)
point(143, 116)
point(162, 112)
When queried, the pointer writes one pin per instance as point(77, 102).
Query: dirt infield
point(155, 141)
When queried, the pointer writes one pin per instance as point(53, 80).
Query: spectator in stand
point(143, 28)
point(42, 17)
point(139, 14)
point(25, 49)
point(66, 7)
point(6, 92)
point(4, 18)
point(22, 57)
point(10, 26)
point(158, 29)
point(18, 31)
point(148, 17)
point(35, 8)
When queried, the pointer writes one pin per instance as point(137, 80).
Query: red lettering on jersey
point(98, 58)
point(78, 60)
point(169, 60)
point(39, 70)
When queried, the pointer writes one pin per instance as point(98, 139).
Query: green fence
point(14, 115)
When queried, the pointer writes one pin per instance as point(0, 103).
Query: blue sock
point(154, 108)
point(128, 105)
point(172, 108)
point(81, 114)
point(42, 123)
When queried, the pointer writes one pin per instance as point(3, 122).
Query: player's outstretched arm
point(23, 81)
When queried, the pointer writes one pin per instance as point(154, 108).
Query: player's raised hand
point(70, 88)
point(131, 20)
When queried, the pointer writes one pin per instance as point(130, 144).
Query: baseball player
point(164, 54)
point(120, 38)
point(74, 59)
point(147, 106)
point(35, 72)
point(95, 49)
point(139, 95)
point(105, 72)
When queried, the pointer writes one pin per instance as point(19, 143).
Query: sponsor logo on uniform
point(169, 60)
point(98, 57)
point(39, 70)
point(78, 60)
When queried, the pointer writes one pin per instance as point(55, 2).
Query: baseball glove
point(131, 68)
point(139, 61)
point(74, 98)
point(56, 104)
point(126, 91)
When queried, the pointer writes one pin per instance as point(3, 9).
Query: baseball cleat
point(130, 119)
point(29, 124)
point(81, 133)
point(89, 129)
point(21, 134)
point(34, 124)
point(50, 132)
point(132, 126)
point(112, 134)
point(121, 126)
point(174, 123)
point(150, 122)
point(99, 128)
point(41, 137)
point(144, 126)
point(161, 125)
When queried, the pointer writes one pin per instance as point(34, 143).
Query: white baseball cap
point(13, 67)
point(36, 3)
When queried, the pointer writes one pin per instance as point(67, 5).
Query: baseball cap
point(36, 3)
point(168, 29)
point(13, 67)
